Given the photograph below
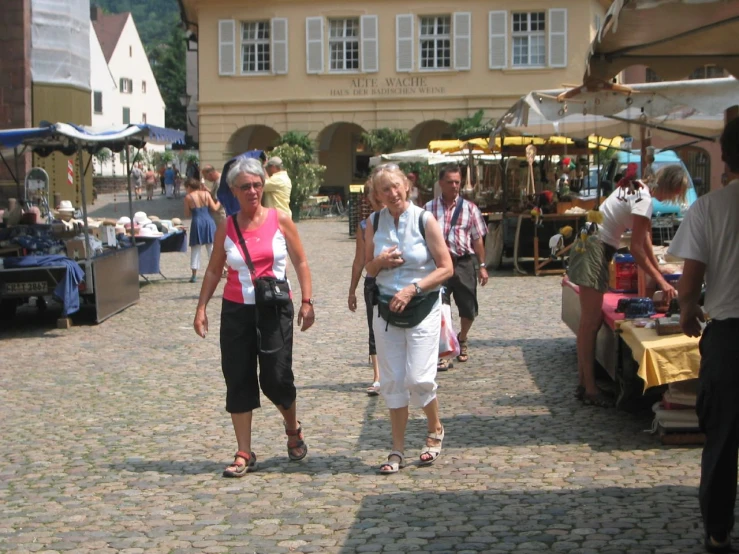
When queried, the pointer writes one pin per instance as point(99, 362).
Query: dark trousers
point(243, 350)
point(718, 414)
point(369, 284)
point(463, 286)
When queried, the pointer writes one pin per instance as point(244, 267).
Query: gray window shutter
point(370, 44)
point(226, 47)
point(498, 44)
point(279, 45)
point(314, 44)
point(404, 43)
point(558, 38)
point(462, 41)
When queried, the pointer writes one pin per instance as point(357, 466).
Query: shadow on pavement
point(312, 464)
point(586, 520)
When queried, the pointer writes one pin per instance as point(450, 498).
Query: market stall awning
point(672, 37)
point(454, 146)
point(430, 158)
point(683, 106)
point(65, 137)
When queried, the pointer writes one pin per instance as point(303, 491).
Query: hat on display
point(65, 206)
point(139, 217)
point(125, 220)
point(153, 218)
point(176, 221)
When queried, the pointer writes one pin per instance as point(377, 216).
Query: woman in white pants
point(409, 258)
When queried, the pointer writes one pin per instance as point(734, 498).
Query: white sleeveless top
point(407, 237)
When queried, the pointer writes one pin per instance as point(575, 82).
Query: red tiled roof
point(108, 27)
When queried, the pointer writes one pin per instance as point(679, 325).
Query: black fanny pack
point(270, 291)
point(414, 313)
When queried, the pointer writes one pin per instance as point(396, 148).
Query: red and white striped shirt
point(469, 227)
point(268, 250)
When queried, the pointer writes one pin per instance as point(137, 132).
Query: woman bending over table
point(629, 206)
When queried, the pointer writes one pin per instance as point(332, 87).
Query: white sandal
point(433, 451)
point(393, 467)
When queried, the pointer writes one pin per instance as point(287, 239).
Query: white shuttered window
point(435, 44)
point(343, 44)
point(256, 47)
point(279, 46)
point(404, 43)
point(558, 38)
point(463, 41)
point(226, 47)
point(314, 44)
point(370, 44)
point(498, 42)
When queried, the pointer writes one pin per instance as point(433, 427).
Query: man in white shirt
point(708, 241)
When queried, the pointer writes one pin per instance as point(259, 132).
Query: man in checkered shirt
point(465, 242)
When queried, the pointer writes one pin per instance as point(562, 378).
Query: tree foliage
point(299, 139)
point(466, 125)
point(154, 18)
point(386, 140)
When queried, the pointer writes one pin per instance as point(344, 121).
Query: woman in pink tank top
point(256, 340)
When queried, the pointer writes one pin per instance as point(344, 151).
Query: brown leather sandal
point(239, 470)
point(463, 351)
point(295, 442)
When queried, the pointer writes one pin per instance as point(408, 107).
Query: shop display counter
point(636, 358)
point(110, 283)
point(151, 248)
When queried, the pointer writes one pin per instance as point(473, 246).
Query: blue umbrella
point(224, 194)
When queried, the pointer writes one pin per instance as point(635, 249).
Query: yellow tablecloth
point(662, 359)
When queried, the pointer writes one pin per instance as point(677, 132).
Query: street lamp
point(185, 100)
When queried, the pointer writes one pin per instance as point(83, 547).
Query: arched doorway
point(251, 137)
point(341, 150)
point(425, 132)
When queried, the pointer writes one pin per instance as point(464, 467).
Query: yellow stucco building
point(335, 69)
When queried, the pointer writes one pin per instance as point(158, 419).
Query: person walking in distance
point(463, 228)
point(707, 241)
point(277, 187)
point(212, 180)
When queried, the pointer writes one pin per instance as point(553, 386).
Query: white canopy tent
point(426, 156)
point(672, 37)
point(693, 108)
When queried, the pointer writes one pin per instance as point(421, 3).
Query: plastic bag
point(448, 341)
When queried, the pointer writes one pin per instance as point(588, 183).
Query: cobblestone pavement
point(113, 437)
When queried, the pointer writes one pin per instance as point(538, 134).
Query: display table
point(662, 359)
point(151, 248)
point(626, 351)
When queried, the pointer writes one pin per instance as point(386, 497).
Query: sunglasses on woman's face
point(249, 186)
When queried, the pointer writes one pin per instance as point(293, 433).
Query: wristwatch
point(307, 301)
point(419, 290)
point(482, 265)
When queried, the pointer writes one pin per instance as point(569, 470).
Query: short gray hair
point(275, 161)
point(250, 166)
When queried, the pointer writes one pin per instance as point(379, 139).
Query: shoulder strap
point(247, 257)
point(455, 216)
point(375, 220)
point(422, 224)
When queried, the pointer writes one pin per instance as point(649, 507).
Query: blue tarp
point(67, 290)
point(225, 196)
point(67, 137)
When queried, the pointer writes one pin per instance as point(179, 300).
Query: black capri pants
point(240, 355)
point(369, 287)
